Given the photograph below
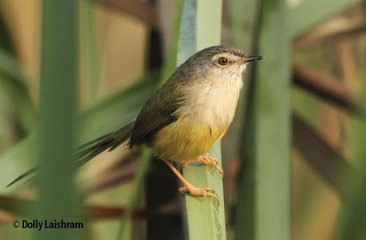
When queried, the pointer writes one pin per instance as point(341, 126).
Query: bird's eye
point(222, 61)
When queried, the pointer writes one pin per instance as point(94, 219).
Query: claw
point(204, 160)
point(192, 190)
point(199, 192)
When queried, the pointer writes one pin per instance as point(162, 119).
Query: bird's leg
point(189, 188)
point(204, 160)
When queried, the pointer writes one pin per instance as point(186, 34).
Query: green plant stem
point(59, 75)
point(272, 126)
point(91, 65)
point(200, 28)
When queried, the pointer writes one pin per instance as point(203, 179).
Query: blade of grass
point(146, 155)
point(14, 83)
point(271, 137)
point(200, 28)
point(163, 42)
point(241, 35)
point(245, 204)
point(137, 184)
point(242, 25)
point(59, 74)
point(91, 66)
point(115, 110)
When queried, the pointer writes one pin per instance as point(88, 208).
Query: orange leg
point(204, 160)
point(189, 188)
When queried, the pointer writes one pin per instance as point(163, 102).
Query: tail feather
point(92, 142)
point(23, 175)
point(108, 142)
point(89, 150)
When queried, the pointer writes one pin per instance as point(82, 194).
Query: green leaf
point(14, 86)
point(264, 189)
point(200, 28)
point(272, 113)
point(105, 116)
point(57, 124)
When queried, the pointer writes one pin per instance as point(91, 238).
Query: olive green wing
point(157, 113)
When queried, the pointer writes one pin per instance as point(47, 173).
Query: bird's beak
point(252, 58)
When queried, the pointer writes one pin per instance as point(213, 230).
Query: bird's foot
point(198, 192)
point(190, 189)
point(204, 160)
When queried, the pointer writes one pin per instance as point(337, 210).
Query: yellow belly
point(184, 140)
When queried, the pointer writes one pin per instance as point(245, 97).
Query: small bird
point(185, 117)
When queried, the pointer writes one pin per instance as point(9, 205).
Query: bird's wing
point(157, 113)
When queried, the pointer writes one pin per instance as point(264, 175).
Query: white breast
point(212, 102)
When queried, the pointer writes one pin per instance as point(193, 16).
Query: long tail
point(108, 142)
point(89, 150)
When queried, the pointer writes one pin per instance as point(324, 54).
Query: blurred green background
point(293, 159)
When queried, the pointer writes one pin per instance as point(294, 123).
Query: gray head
point(215, 60)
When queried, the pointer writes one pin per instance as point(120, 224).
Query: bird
point(191, 111)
